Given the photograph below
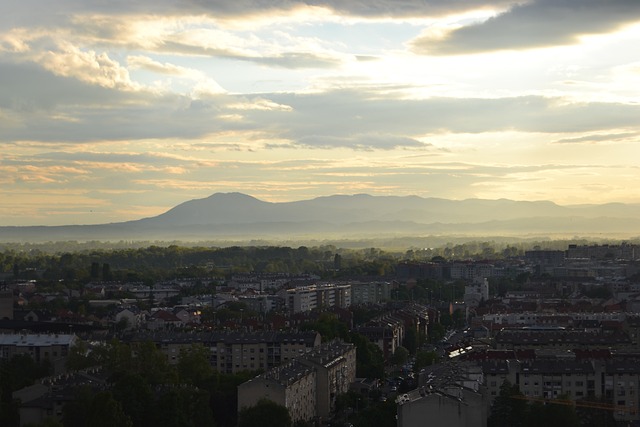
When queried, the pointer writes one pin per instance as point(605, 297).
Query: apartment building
point(617, 380)
point(370, 292)
point(314, 378)
point(387, 332)
point(560, 339)
point(292, 385)
point(40, 347)
point(335, 365)
point(450, 395)
point(233, 352)
point(307, 298)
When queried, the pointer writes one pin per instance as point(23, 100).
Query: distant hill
point(242, 217)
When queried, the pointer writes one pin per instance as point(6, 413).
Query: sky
point(118, 110)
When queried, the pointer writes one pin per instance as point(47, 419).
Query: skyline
point(118, 111)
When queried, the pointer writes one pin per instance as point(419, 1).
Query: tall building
point(335, 366)
point(370, 292)
point(292, 385)
point(307, 298)
point(315, 378)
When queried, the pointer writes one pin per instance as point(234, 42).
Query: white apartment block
point(307, 298)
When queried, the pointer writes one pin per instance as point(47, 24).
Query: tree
point(424, 358)
point(80, 357)
point(76, 412)
point(183, 407)
point(381, 414)
point(193, 365)
point(47, 422)
point(107, 412)
point(265, 413)
point(436, 332)
point(137, 398)
point(400, 356)
point(507, 410)
point(594, 416)
point(369, 357)
point(410, 341)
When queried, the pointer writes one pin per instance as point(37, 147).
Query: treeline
point(127, 262)
point(160, 263)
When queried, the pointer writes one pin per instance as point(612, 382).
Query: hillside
point(241, 217)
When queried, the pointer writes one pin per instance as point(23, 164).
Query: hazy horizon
point(118, 111)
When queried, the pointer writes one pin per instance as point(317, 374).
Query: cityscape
point(362, 337)
point(319, 213)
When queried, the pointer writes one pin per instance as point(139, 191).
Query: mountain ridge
point(243, 216)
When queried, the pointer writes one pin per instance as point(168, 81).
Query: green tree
point(328, 326)
point(183, 407)
point(410, 341)
point(47, 422)
point(424, 358)
point(381, 414)
point(137, 398)
point(593, 412)
point(107, 412)
point(508, 409)
point(80, 357)
point(75, 413)
point(193, 365)
point(369, 357)
point(265, 413)
point(400, 356)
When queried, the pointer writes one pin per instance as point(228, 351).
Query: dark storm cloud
point(540, 23)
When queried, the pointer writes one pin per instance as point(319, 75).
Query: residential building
point(449, 395)
point(370, 292)
point(292, 385)
point(40, 347)
point(314, 378)
point(307, 298)
point(335, 365)
point(233, 352)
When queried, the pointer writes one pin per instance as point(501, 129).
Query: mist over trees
point(73, 261)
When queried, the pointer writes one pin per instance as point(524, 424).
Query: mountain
point(236, 216)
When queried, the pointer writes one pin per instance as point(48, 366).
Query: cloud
point(223, 9)
point(535, 24)
point(360, 142)
point(341, 116)
point(46, 107)
point(252, 50)
point(591, 139)
point(146, 63)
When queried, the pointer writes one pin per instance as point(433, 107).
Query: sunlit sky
point(117, 110)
